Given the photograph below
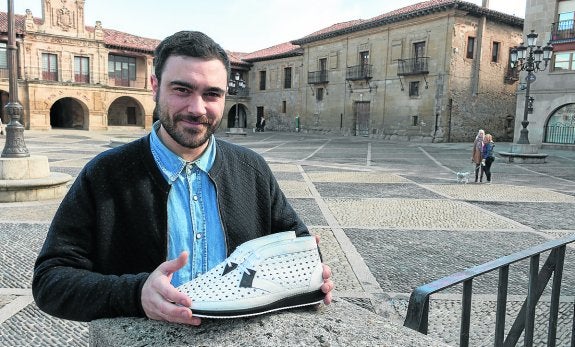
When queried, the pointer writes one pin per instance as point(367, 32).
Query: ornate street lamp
point(14, 146)
point(236, 85)
point(529, 58)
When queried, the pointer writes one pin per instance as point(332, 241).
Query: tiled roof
point(406, 13)
point(120, 39)
point(286, 49)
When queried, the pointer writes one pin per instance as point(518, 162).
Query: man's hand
point(327, 285)
point(160, 299)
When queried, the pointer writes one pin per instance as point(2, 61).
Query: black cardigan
point(110, 230)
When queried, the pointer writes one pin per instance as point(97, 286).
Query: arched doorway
point(560, 126)
point(125, 111)
point(242, 116)
point(68, 113)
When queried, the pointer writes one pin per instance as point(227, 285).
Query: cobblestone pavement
point(391, 217)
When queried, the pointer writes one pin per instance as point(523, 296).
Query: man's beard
point(188, 138)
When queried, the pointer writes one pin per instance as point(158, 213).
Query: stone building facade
point(434, 71)
point(552, 121)
point(75, 76)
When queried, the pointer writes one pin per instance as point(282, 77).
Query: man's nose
point(196, 105)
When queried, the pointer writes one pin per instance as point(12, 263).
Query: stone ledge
point(524, 158)
point(339, 324)
point(52, 187)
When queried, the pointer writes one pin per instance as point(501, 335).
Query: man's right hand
point(161, 301)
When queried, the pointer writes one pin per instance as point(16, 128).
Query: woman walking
point(477, 153)
point(487, 157)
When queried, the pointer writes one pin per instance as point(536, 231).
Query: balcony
point(317, 77)
point(359, 72)
point(412, 66)
point(563, 31)
point(239, 92)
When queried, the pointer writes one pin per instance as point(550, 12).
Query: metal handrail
point(418, 309)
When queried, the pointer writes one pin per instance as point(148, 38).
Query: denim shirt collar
point(171, 164)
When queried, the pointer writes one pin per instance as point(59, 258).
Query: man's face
point(190, 99)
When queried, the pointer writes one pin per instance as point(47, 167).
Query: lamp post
point(236, 85)
point(15, 147)
point(529, 58)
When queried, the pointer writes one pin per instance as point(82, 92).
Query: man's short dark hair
point(188, 44)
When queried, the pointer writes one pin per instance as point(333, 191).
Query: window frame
point(263, 80)
point(570, 61)
point(319, 94)
point(49, 67)
point(470, 48)
point(288, 77)
point(81, 69)
point(414, 89)
point(122, 69)
point(495, 51)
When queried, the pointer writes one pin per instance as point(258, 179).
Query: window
point(3, 56)
point(287, 78)
point(319, 94)
point(564, 61)
point(262, 80)
point(566, 20)
point(419, 50)
point(470, 47)
point(364, 58)
point(121, 69)
point(323, 64)
point(495, 52)
point(82, 69)
point(49, 67)
point(284, 106)
point(414, 120)
point(414, 88)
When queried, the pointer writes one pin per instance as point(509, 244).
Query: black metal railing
point(317, 77)
point(358, 72)
point(412, 66)
point(239, 92)
point(563, 30)
point(418, 309)
point(560, 133)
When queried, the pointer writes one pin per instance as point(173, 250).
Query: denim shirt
point(194, 223)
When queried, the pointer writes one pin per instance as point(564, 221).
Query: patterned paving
point(416, 214)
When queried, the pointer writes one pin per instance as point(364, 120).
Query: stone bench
point(339, 324)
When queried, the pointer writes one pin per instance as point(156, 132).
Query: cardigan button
point(198, 236)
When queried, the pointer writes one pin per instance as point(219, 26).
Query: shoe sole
point(312, 298)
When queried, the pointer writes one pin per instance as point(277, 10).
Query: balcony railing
point(412, 66)
point(317, 77)
point(239, 92)
point(69, 76)
point(418, 309)
point(359, 72)
point(563, 31)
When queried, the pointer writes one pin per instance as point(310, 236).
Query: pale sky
point(242, 26)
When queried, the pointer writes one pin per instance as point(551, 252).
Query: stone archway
point(68, 113)
point(126, 111)
point(242, 116)
point(560, 127)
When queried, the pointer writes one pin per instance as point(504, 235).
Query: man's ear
point(155, 86)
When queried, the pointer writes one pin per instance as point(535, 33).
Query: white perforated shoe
point(280, 275)
point(245, 249)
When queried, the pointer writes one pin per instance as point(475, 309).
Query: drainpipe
point(478, 54)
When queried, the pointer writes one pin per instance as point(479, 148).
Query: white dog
point(463, 177)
